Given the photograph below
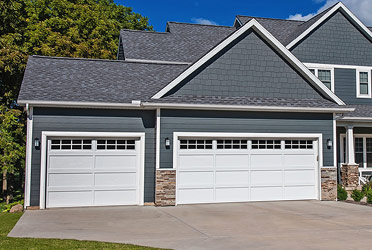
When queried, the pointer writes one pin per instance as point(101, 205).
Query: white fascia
point(135, 104)
point(323, 18)
point(273, 42)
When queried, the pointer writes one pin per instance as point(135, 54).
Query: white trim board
point(213, 135)
point(29, 146)
point(363, 70)
point(324, 17)
point(279, 47)
point(44, 146)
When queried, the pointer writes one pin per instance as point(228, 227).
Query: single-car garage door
point(92, 172)
point(237, 170)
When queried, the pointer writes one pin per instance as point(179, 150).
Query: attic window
point(363, 84)
point(325, 76)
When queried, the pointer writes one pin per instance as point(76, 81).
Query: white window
point(362, 149)
point(71, 144)
point(325, 75)
point(195, 144)
point(364, 83)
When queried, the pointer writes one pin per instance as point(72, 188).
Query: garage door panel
point(232, 178)
point(232, 161)
point(300, 193)
point(115, 179)
point(196, 161)
point(195, 179)
point(116, 162)
point(266, 161)
point(115, 197)
point(297, 177)
point(267, 178)
point(70, 199)
point(266, 193)
point(232, 194)
point(70, 180)
point(186, 196)
point(292, 161)
point(71, 162)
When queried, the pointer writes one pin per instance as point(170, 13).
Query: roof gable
point(252, 25)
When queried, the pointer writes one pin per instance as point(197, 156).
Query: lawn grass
point(7, 222)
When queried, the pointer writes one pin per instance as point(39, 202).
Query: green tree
point(67, 28)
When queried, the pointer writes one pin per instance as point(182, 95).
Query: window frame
point(364, 137)
point(316, 73)
point(363, 70)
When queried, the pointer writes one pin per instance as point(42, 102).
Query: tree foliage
point(67, 28)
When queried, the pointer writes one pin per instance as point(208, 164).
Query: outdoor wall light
point(329, 143)
point(167, 142)
point(37, 143)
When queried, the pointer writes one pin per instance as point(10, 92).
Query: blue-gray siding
point(90, 120)
point(243, 122)
point(247, 67)
point(345, 87)
point(337, 41)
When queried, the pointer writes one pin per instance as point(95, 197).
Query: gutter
point(136, 104)
point(356, 119)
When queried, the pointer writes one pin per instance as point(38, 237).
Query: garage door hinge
point(317, 158)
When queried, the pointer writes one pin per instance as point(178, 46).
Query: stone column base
point(165, 191)
point(350, 175)
point(329, 184)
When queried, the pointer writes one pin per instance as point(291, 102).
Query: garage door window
point(299, 144)
point(266, 144)
point(116, 144)
point(232, 144)
point(71, 144)
point(196, 144)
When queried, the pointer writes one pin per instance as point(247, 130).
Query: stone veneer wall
point(350, 175)
point(165, 191)
point(329, 184)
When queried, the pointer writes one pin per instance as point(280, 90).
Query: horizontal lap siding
point(81, 120)
point(243, 122)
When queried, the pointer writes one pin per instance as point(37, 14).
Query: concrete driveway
point(263, 225)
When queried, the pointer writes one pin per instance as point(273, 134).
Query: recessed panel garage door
point(92, 172)
point(238, 170)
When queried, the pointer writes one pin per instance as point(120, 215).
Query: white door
point(92, 172)
point(239, 170)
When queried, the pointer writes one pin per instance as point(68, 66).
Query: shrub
point(366, 187)
point(369, 197)
point(341, 193)
point(7, 207)
point(357, 195)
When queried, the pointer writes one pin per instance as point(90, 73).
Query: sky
point(223, 12)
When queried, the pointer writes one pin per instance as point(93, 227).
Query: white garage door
point(92, 172)
point(238, 170)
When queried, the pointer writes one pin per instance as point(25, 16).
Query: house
point(263, 110)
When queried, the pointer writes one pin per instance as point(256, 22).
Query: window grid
point(266, 144)
point(232, 144)
point(196, 144)
point(324, 75)
point(112, 144)
point(71, 144)
point(298, 144)
point(363, 83)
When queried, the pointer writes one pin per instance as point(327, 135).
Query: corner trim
point(29, 144)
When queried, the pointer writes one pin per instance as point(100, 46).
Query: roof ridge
point(146, 31)
point(200, 24)
point(271, 18)
point(321, 13)
point(104, 60)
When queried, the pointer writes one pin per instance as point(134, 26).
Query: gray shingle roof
point(248, 101)
point(360, 111)
point(89, 80)
point(182, 43)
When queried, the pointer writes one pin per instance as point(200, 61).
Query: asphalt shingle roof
point(89, 80)
point(360, 111)
point(182, 43)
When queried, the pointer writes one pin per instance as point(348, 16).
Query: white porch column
point(350, 154)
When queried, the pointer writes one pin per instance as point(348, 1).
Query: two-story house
point(266, 109)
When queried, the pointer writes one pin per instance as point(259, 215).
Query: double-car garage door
point(242, 169)
point(93, 172)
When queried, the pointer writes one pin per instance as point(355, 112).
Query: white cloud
point(361, 8)
point(200, 20)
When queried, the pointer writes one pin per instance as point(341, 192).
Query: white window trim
point(358, 71)
point(316, 69)
point(44, 146)
point(318, 145)
point(29, 147)
point(342, 149)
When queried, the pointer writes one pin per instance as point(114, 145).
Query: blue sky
point(223, 12)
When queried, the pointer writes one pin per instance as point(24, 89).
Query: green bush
point(366, 187)
point(369, 197)
point(341, 193)
point(7, 207)
point(357, 195)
